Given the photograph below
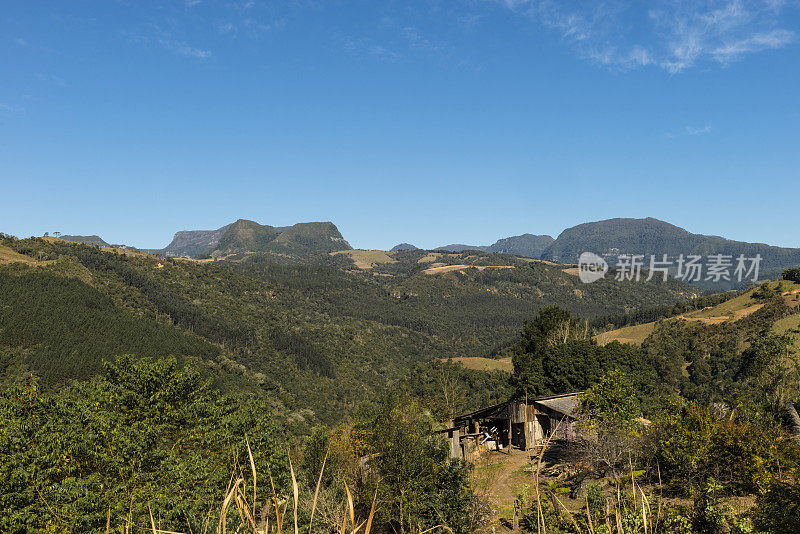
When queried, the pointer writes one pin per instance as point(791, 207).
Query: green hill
point(403, 246)
point(245, 236)
point(652, 236)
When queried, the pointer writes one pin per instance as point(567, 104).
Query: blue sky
point(429, 122)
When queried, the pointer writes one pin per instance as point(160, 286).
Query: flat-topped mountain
point(85, 239)
point(249, 236)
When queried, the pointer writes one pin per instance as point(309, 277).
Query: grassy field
point(367, 259)
point(485, 364)
point(731, 310)
point(789, 325)
point(431, 257)
point(634, 335)
point(9, 256)
point(726, 309)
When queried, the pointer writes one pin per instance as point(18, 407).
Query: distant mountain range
point(528, 245)
point(608, 237)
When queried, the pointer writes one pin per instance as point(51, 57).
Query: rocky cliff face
point(528, 245)
point(190, 243)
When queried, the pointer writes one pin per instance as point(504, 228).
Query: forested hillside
point(275, 328)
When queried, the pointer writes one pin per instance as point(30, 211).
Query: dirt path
point(499, 477)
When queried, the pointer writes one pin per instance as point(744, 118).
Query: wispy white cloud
point(10, 108)
point(396, 41)
point(184, 49)
point(691, 130)
point(672, 35)
point(763, 41)
point(52, 79)
point(416, 40)
point(366, 47)
point(226, 27)
point(177, 46)
point(249, 26)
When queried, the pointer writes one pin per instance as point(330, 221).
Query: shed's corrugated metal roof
point(558, 403)
point(565, 404)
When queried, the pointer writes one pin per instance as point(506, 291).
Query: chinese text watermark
point(687, 268)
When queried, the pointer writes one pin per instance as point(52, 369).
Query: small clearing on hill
point(450, 268)
point(8, 255)
point(432, 256)
point(478, 363)
point(367, 259)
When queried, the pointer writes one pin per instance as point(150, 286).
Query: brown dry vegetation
point(449, 268)
point(478, 363)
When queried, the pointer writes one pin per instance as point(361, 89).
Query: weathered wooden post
point(455, 443)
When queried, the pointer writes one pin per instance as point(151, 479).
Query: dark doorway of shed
point(544, 424)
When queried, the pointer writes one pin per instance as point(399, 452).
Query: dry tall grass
point(239, 503)
point(239, 507)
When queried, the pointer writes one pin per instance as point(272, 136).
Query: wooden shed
point(520, 423)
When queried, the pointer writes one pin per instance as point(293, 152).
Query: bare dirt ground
point(449, 268)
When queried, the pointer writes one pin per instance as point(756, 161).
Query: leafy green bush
point(144, 433)
point(692, 445)
point(793, 275)
point(778, 509)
